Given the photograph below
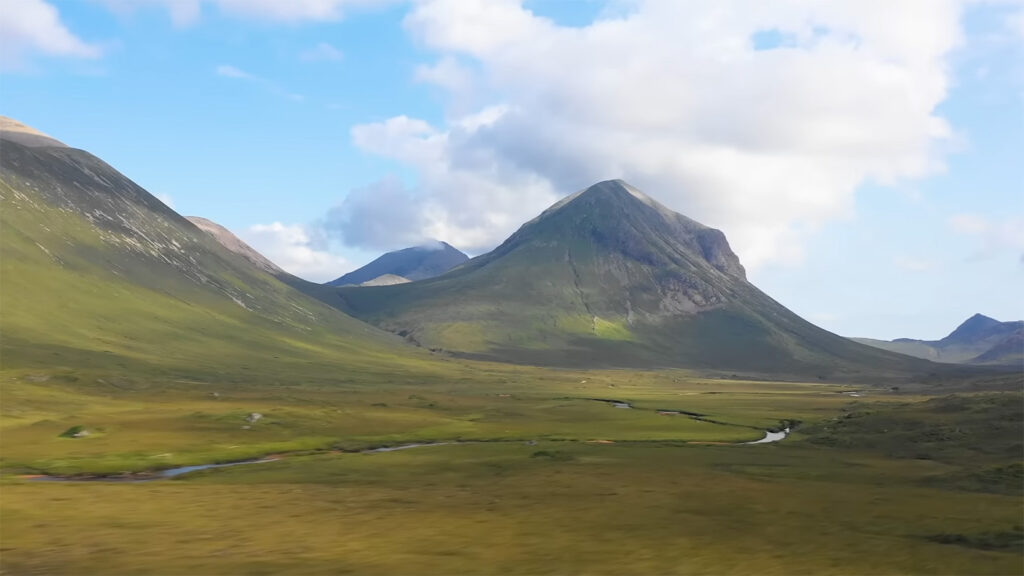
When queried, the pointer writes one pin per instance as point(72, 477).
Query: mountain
point(416, 263)
point(99, 274)
point(386, 280)
point(610, 277)
point(233, 243)
point(13, 131)
point(979, 340)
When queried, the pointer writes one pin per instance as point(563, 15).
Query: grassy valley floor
point(872, 481)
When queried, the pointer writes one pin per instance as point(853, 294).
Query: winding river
point(769, 437)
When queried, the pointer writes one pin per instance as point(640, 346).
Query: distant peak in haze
point(432, 244)
point(420, 262)
point(14, 131)
point(978, 340)
point(971, 328)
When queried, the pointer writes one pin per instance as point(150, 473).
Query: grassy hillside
point(95, 273)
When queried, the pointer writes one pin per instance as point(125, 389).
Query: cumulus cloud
point(296, 250)
point(322, 52)
point(768, 141)
point(30, 27)
point(380, 216)
point(186, 12)
point(993, 236)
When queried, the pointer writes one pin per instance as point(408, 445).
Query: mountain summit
point(608, 276)
point(416, 263)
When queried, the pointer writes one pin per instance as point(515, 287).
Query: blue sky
point(866, 167)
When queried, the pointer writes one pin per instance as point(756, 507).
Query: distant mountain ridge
point(610, 277)
point(416, 263)
point(978, 340)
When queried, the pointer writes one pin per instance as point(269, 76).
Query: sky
point(865, 159)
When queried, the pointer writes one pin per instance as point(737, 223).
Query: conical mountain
point(98, 273)
point(608, 276)
point(975, 328)
point(415, 263)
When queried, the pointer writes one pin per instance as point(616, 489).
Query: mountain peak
point(14, 131)
point(619, 217)
point(971, 329)
point(612, 190)
point(419, 262)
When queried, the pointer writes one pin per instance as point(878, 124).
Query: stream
point(769, 437)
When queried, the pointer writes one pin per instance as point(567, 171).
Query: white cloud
point(290, 10)
point(293, 248)
point(673, 96)
point(166, 199)
point(182, 12)
point(994, 236)
point(232, 72)
point(322, 52)
point(186, 12)
point(29, 27)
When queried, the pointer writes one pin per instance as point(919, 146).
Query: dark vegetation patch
point(556, 455)
point(1012, 539)
point(981, 433)
point(70, 432)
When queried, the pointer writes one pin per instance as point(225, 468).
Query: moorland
point(133, 342)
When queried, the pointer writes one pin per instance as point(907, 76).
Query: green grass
point(500, 508)
point(536, 496)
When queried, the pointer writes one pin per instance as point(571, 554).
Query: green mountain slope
point(978, 340)
point(96, 272)
point(610, 277)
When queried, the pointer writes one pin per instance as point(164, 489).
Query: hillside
point(97, 273)
point(610, 277)
point(978, 340)
point(416, 263)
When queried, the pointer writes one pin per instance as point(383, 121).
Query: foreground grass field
point(880, 483)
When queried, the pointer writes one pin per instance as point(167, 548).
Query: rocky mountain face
point(416, 263)
point(608, 276)
point(98, 272)
point(978, 340)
